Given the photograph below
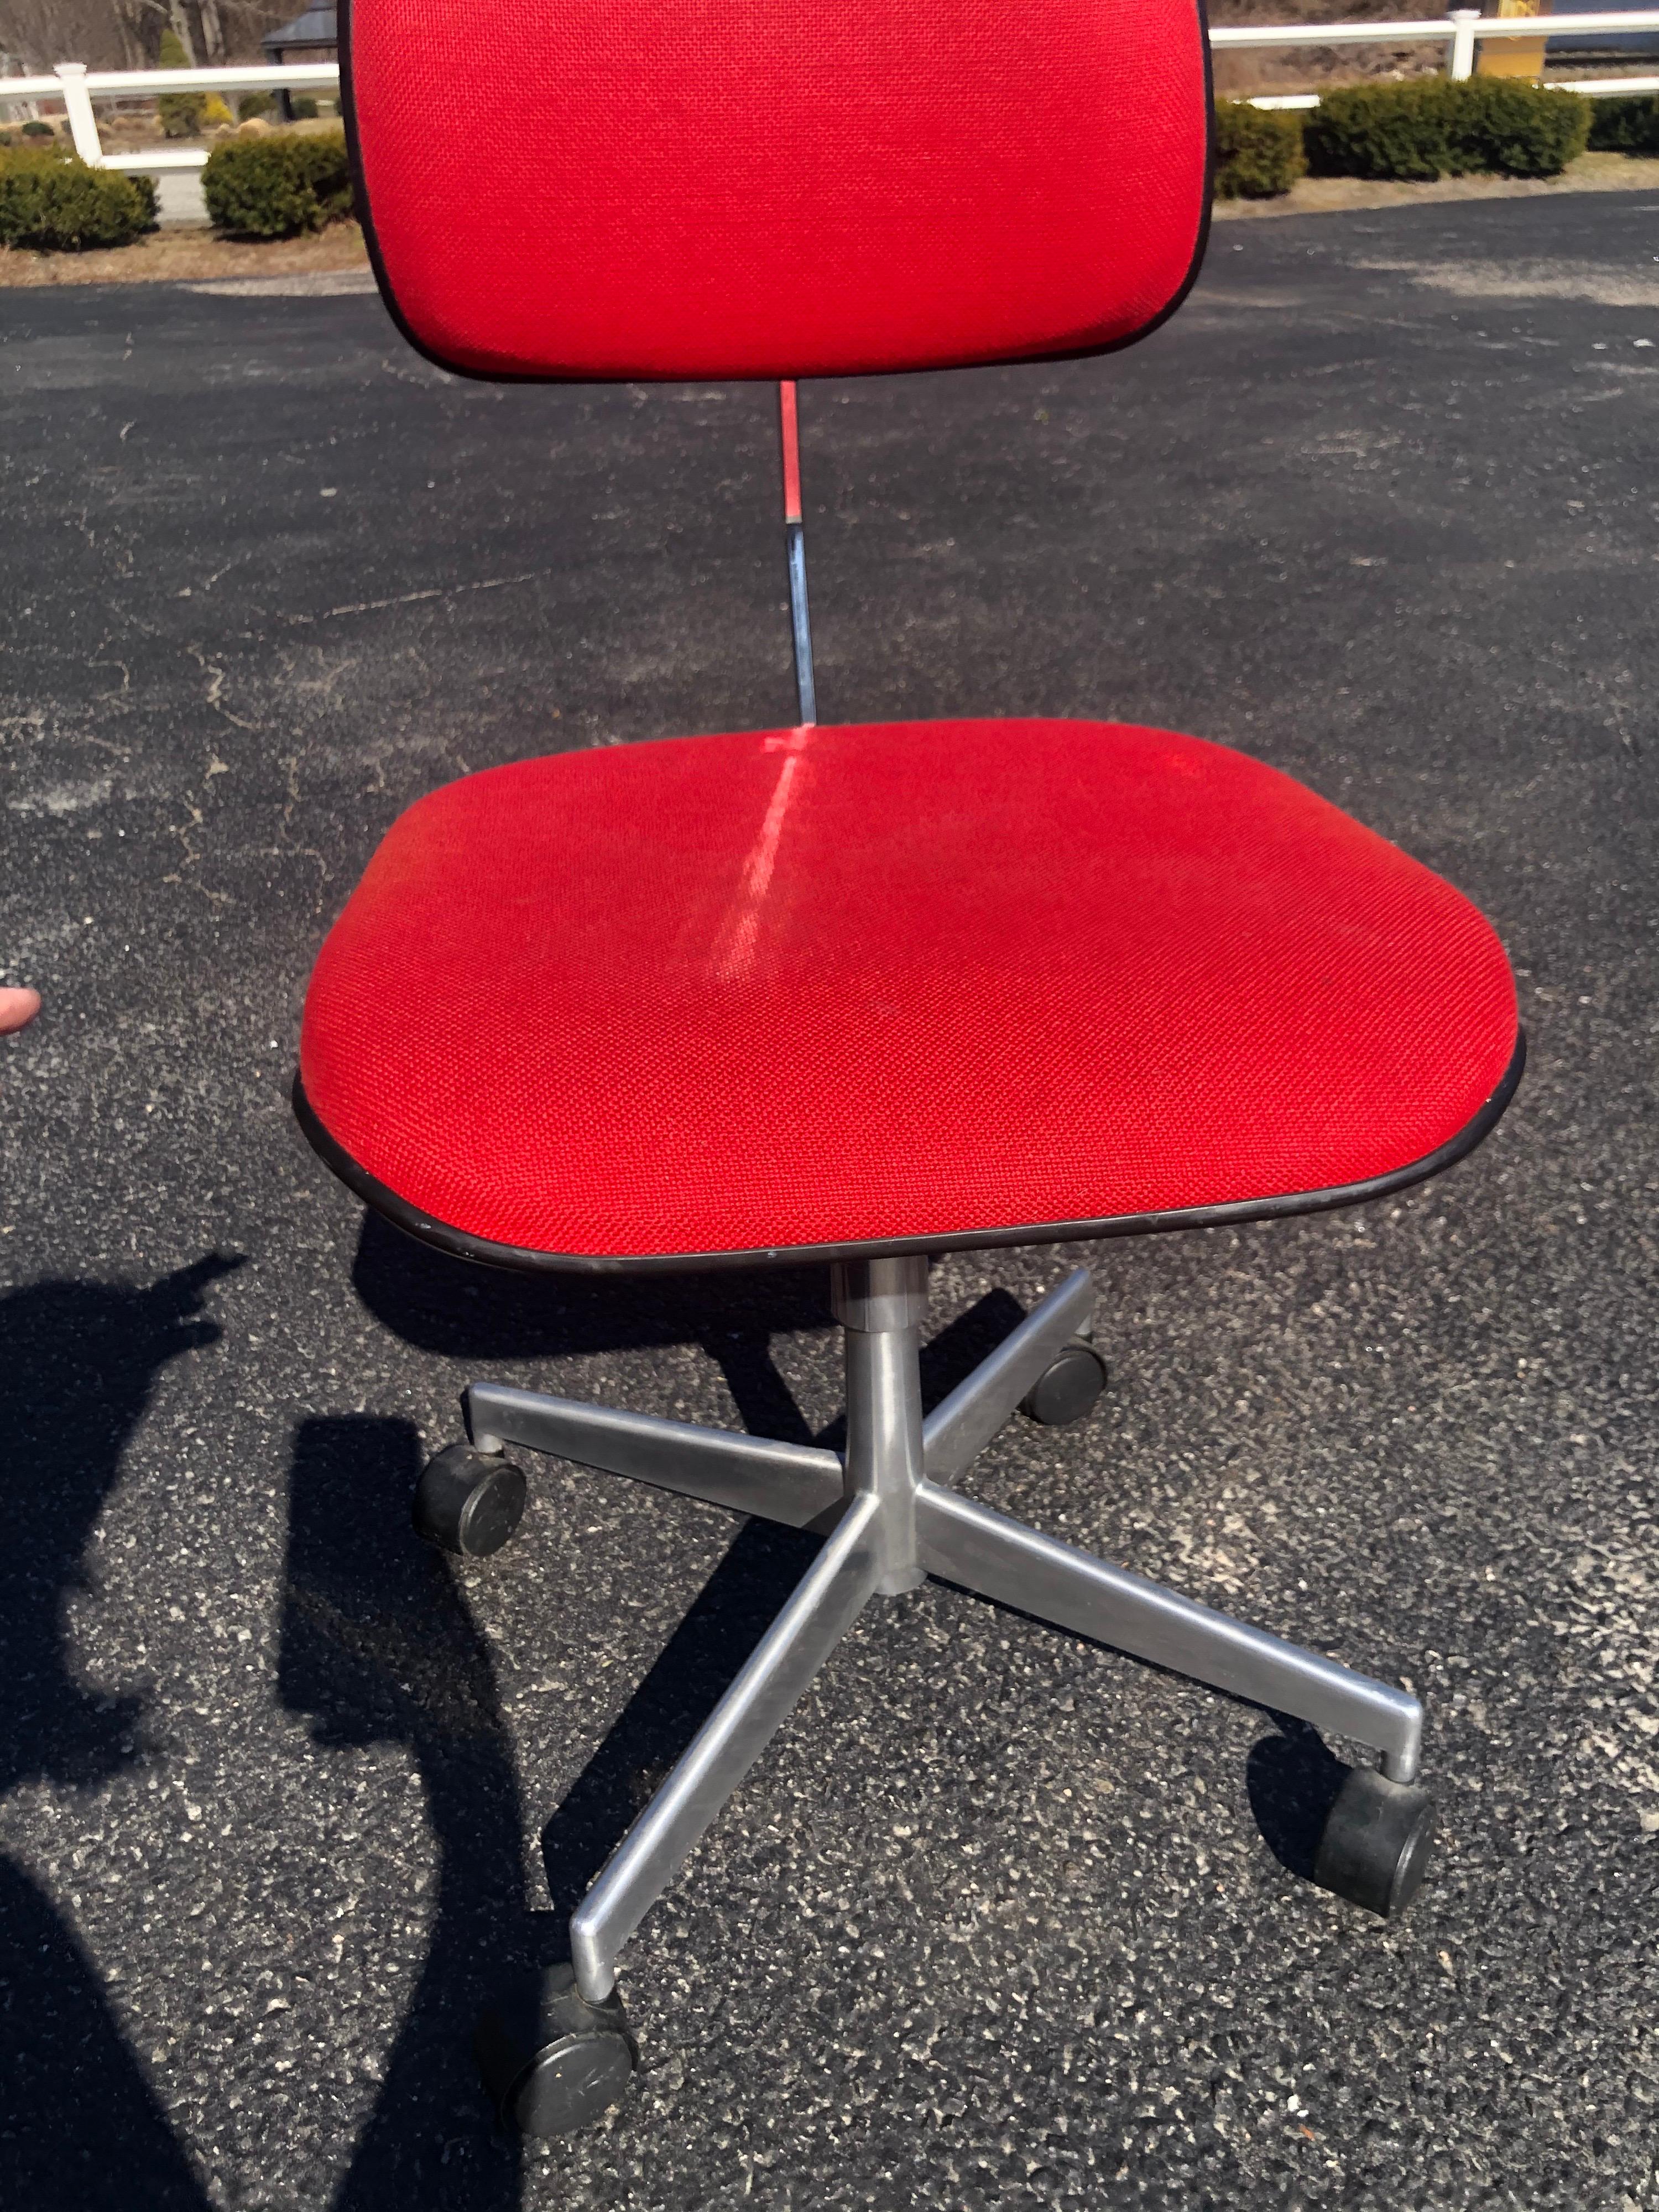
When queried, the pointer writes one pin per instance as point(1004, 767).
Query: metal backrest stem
point(794, 538)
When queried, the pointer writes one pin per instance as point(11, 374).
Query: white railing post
point(1462, 42)
point(77, 105)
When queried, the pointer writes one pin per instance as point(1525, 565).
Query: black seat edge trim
point(463, 1245)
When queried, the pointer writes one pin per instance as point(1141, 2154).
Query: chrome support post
point(800, 623)
point(880, 1304)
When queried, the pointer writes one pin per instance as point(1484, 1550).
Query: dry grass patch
point(192, 256)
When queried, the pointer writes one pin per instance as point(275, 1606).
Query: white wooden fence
point(77, 87)
point(1458, 32)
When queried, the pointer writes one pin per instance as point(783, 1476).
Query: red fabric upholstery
point(738, 188)
point(835, 986)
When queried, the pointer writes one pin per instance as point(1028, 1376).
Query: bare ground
point(194, 256)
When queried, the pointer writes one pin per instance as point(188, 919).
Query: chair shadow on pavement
point(80, 2126)
point(463, 1311)
point(1292, 1780)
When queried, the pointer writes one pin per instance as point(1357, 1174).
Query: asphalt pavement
point(1001, 1919)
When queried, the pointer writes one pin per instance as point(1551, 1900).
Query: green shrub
point(1258, 151)
point(52, 202)
point(1437, 128)
point(38, 130)
point(253, 104)
point(253, 191)
point(304, 108)
point(180, 112)
point(1627, 124)
point(323, 161)
point(279, 187)
point(1517, 129)
point(1382, 131)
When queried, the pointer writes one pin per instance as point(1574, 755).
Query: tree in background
point(35, 34)
point(180, 112)
point(176, 49)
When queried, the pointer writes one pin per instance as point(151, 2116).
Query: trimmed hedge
point(1258, 151)
point(1625, 123)
point(53, 203)
point(1513, 128)
point(1385, 130)
point(279, 187)
point(1437, 128)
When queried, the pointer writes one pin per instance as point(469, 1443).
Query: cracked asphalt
point(1001, 1918)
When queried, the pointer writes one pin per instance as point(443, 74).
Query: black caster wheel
point(468, 1501)
point(552, 2061)
point(1067, 1388)
point(1376, 1840)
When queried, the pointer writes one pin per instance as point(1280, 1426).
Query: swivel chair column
point(881, 1305)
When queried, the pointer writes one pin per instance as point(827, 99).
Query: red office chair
point(865, 994)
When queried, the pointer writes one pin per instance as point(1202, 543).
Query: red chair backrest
point(777, 188)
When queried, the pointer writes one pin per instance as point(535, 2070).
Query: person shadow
point(379, 1645)
point(80, 2126)
point(353, 1558)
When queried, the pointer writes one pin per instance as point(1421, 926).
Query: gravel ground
point(1001, 1918)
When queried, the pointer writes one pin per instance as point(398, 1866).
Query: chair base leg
point(827, 1601)
point(1003, 1561)
point(891, 1518)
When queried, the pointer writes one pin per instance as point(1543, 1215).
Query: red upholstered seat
point(949, 982)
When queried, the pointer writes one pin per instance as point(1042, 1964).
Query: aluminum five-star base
point(890, 1516)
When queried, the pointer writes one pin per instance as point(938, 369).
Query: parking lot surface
point(1001, 1919)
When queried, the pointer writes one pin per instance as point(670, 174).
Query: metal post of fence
point(1462, 42)
point(77, 105)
